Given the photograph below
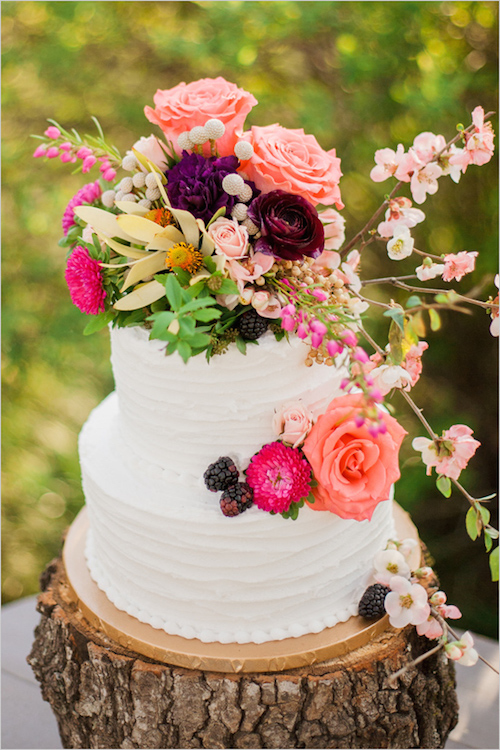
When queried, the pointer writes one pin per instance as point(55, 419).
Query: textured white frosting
point(159, 546)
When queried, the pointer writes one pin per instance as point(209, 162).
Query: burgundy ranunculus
point(289, 225)
point(195, 184)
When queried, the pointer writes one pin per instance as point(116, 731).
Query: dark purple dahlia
point(290, 226)
point(195, 184)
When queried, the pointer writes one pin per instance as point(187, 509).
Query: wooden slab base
point(105, 695)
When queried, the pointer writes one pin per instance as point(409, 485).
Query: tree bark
point(107, 697)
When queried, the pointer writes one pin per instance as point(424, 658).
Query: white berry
point(150, 180)
point(108, 198)
point(129, 163)
point(184, 142)
point(129, 197)
point(245, 193)
point(139, 179)
point(232, 184)
point(214, 129)
point(144, 202)
point(243, 150)
point(239, 212)
point(250, 226)
point(119, 195)
point(126, 185)
point(153, 194)
point(198, 135)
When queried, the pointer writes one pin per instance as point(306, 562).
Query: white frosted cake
point(159, 546)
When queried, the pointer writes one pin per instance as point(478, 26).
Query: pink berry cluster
point(70, 153)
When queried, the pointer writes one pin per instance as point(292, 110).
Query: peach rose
point(150, 148)
point(293, 161)
point(181, 108)
point(354, 470)
point(292, 423)
point(231, 238)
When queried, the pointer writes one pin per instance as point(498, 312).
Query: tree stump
point(105, 696)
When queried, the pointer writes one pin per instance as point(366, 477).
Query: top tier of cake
point(183, 417)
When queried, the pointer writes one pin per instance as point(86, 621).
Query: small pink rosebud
point(453, 651)
point(344, 383)
point(106, 164)
point(66, 146)
point(349, 338)
point(88, 163)
point(439, 597)
point(320, 294)
point(318, 327)
point(302, 331)
point(316, 340)
point(288, 310)
point(360, 355)
point(53, 132)
point(40, 150)
point(359, 420)
point(52, 152)
point(382, 428)
point(373, 429)
point(109, 175)
point(65, 157)
point(333, 348)
point(376, 395)
point(287, 323)
point(83, 152)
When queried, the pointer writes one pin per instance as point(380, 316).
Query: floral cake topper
point(213, 235)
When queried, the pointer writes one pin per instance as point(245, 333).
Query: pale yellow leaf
point(143, 268)
point(165, 239)
point(129, 207)
point(144, 161)
point(129, 252)
point(144, 295)
point(102, 221)
point(142, 229)
point(188, 225)
point(207, 243)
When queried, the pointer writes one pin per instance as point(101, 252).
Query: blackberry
point(371, 605)
point(251, 325)
point(236, 499)
point(221, 474)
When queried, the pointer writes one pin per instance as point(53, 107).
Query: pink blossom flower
point(231, 238)
point(387, 162)
point(387, 377)
point(479, 146)
point(406, 603)
point(388, 563)
point(279, 476)
point(334, 226)
point(401, 245)
point(424, 181)
point(428, 271)
point(495, 319)
point(427, 145)
point(85, 282)
point(462, 651)
point(449, 611)
point(292, 423)
point(452, 452)
point(400, 211)
point(457, 266)
point(87, 194)
point(413, 361)
point(409, 164)
point(250, 268)
point(430, 628)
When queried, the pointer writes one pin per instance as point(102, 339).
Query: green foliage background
point(360, 76)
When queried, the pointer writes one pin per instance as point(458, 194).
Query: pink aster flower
point(406, 603)
point(279, 476)
point(449, 453)
point(456, 266)
point(87, 194)
point(84, 279)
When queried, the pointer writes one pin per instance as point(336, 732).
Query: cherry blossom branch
point(395, 189)
point(457, 638)
point(398, 282)
point(393, 677)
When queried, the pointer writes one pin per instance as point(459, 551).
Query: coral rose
point(354, 470)
point(293, 161)
point(181, 108)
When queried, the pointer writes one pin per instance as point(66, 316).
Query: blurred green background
point(358, 75)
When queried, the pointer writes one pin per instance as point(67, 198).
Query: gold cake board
point(272, 656)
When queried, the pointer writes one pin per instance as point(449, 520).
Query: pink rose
point(292, 423)
point(179, 109)
point(231, 238)
point(354, 470)
point(290, 160)
point(150, 148)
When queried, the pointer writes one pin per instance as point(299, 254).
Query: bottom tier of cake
point(163, 552)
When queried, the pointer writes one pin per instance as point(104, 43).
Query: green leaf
point(217, 214)
point(172, 347)
point(184, 350)
point(199, 341)
point(471, 523)
point(435, 319)
point(397, 314)
point(488, 541)
point(494, 564)
point(173, 291)
point(413, 301)
point(444, 485)
point(183, 276)
point(241, 344)
point(206, 315)
point(186, 326)
point(228, 287)
point(418, 324)
point(396, 342)
point(98, 322)
point(196, 304)
point(443, 299)
point(485, 513)
point(210, 264)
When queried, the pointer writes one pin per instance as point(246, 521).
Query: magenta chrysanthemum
point(84, 279)
point(279, 476)
point(87, 194)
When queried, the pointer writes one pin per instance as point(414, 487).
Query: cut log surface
point(105, 696)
